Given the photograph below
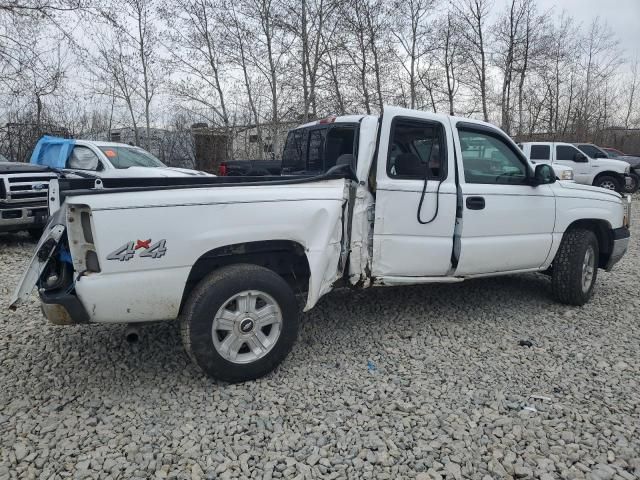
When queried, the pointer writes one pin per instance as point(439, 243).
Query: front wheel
point(608, 182)
point(240, 322)
point(575, 267)
point(634, 185)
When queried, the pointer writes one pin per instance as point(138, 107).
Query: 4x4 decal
point(127, 251)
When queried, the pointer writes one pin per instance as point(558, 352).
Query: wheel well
point(615, 175)
point(284, 257)
point(603, 232)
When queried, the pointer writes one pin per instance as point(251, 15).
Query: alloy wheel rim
point(608, 185)
point(588, 269)
point(246, 327)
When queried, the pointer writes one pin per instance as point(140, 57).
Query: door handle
point(475, 203)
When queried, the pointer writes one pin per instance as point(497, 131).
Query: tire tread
point(567, 267)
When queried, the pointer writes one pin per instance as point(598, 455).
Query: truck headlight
point(566, 175)
point(627, 170)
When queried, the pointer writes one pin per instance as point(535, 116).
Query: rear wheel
point(240, 322)
point(608, 182)
point(575, 267)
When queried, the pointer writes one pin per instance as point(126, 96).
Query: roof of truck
point(395, 111)
point(100, 143)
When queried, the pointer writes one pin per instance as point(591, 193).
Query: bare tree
point(473, 16)
point(508, 36)
point(449, 56)
point(411, 30)
point(632, 93)
point(309, 22)
point(600, 55)
point(195, 30)
point(270, 44)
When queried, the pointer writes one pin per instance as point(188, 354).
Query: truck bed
point(91, 186)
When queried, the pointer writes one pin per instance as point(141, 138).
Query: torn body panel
point(44, 251)
point(132, 254)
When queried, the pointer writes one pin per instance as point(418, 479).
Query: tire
point(220, 300)
point(608, 182)
point(569, 264)
point(635, 183)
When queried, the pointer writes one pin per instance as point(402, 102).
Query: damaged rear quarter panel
point(193, 222)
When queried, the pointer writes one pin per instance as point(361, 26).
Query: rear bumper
point(21, 218)
point(621, 238)
point(63, 308)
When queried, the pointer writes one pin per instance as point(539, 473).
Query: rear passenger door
point(540, 153)
point(507, 225)
point(414, 220)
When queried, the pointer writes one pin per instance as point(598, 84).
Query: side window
point(292, 155)
point(590, 150)
point(593, 151)
point(489, 159)
point(416, 149)
point(340, 141)
point(540, 152)
point(565, 152)
point(82, 158)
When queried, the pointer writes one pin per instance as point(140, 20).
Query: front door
point(572, 157)
point(415, 195)
point(506, 225)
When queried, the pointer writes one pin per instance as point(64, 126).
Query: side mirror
point(543, 175)
point(580, 158)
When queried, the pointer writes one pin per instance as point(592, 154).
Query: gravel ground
point(420, 382)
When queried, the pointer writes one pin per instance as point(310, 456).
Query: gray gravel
point(422, 382)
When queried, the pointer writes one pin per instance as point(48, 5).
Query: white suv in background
point(599, 172)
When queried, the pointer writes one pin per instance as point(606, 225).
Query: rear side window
point(340, 141)
point(540, 152)
point(565, 152)
point(416, 149)
point(316, 149)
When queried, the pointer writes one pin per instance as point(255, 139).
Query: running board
point(392, 281)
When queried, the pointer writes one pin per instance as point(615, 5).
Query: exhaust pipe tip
point(132, 335)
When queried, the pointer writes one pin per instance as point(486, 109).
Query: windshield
point(125, 157)
point(612, 153)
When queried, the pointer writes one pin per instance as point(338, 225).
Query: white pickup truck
point(409, 198)
point(599, 172)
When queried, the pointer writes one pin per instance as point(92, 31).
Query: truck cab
point(600, 172)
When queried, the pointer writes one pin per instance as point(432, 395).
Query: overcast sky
point(623, 16)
